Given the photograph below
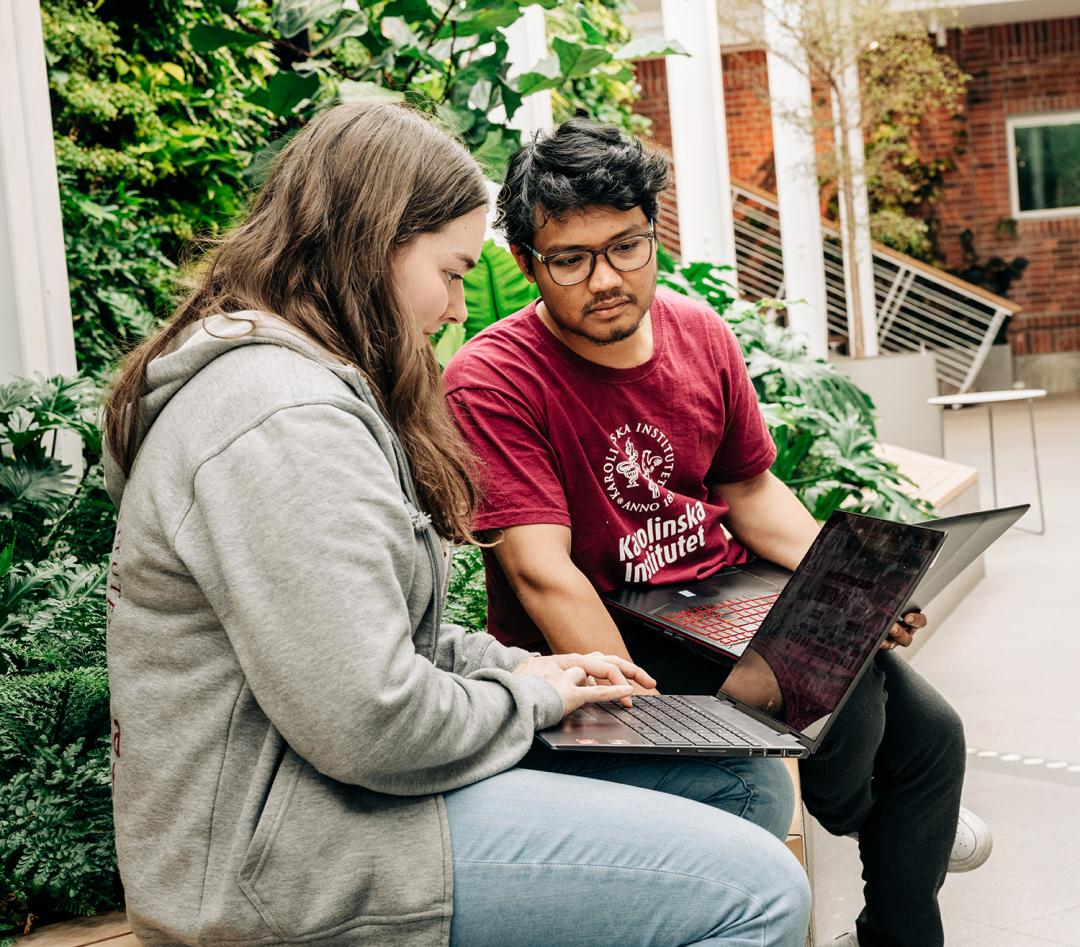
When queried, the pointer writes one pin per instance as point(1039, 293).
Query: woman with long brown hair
point(302, 751)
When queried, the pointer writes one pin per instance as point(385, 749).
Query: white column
point(858, 259)
point(796, 177)
point(35, 310)
point(699, 132)
point(528, 45)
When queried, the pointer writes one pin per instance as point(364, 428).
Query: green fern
point(466, 594)
point(57, 854)
point(56, 840)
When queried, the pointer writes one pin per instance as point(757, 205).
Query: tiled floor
point(1008, 659)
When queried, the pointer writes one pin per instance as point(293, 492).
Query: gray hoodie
point(287, 705)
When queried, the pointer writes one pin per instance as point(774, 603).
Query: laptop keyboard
point(729, 622)
point(669, 719)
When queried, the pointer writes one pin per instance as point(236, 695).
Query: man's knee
point(766, 795)
point(946, 737)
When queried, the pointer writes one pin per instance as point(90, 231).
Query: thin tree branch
point(451, 66)
point(294, 48)
point(434, 35)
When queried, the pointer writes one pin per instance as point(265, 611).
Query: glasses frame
point(650, 235)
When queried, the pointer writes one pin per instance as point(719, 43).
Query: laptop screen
point(830, 618)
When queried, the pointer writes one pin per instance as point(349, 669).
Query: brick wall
point(651, 75)
point(749, 122)
point(1016, 68)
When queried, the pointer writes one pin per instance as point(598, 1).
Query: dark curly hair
point(580, 164)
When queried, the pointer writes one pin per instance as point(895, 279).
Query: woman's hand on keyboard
point(574, 676)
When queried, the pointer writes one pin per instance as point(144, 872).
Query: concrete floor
point(1008, 659)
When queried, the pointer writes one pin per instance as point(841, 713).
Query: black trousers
point(891, 768)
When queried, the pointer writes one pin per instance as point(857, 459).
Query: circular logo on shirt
point(637, 466)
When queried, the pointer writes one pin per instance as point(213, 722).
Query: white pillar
point(528, 45)
point(798, 195)
point(858, 259)
point(699, 132)
point(35, 309)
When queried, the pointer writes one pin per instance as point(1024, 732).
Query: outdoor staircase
point(919, 307)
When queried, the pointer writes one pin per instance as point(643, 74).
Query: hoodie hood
point(197, 346)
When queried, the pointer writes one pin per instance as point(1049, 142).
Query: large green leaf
point(650, 47)
point(577, 60)
point(495, 288)
point(477, 19)
point(448, 341)
point(547, 74)
point(206, 38)
point(350, 91)
point(294, 16)
point(347, 25)
point(494, 152)
point(412, 10)
point(46, 483)
point(285, 91)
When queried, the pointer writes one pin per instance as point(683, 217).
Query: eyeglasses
point(626, 254)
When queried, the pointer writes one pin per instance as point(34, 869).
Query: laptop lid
point(828, 623)
point(967, 536)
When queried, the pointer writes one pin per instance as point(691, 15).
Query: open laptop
point(719, 615)
point(804, 660)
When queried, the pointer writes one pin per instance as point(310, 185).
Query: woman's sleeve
point(466, 652)
point(298, 537)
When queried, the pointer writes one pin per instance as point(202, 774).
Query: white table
point(990, 398)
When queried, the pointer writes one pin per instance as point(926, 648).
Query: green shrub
point(153, 142)
point(56, 844)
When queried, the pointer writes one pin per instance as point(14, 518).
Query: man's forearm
point(566, 608)
point(767, 518)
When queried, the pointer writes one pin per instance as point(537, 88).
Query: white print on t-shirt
point(662, 542)
point(637, 466)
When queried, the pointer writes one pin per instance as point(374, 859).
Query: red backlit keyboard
point(728, 622)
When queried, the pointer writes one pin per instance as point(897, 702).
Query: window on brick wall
point(1044, 164)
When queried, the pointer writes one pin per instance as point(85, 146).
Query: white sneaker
point(846, 940)
point(973, 842)
point(971, 847)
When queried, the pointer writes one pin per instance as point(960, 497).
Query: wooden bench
point(944, 483)
point(107, 930)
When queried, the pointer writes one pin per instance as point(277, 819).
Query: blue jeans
point(572, 849)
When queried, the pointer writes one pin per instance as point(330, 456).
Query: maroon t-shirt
point(621, 456)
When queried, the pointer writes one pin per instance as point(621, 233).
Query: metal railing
point(919, 307)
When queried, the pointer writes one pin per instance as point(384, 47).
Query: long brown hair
point(349, 190)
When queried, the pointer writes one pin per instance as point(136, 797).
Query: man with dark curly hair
point(608, 411)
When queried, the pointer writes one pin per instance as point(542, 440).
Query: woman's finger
point(602, 692)
point(575, 674)
point(597, 665)
point(631, 670)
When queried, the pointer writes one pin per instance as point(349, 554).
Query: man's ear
point(524, 261)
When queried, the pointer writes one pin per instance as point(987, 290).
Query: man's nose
point(604, 276)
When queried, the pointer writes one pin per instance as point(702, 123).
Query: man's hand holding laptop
point(903, 632)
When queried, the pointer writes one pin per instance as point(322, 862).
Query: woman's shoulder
point(252, 380)
point(242, 388)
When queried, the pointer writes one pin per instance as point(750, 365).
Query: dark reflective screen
point(830, 618)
